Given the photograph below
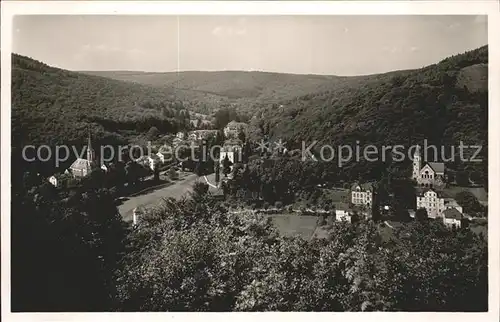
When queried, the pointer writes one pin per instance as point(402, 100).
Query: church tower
point(90, 153)
point(417, 164)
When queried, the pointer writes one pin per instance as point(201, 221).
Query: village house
point(164, 156)
point(452, 218)
point(53, 180)
point(343, 212)
point(231, 149)
point(436, 203)
point(153, 161)
point(450, 203)
point(150, 161)
point(362, 194)
point(233, 128)
point(431, 174)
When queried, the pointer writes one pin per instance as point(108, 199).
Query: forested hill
point(248, 91)
point(444, 103)
point(52, 105)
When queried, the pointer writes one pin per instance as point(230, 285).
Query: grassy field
point(479, 193)
point(337, 194)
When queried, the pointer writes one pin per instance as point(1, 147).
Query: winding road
point(176, 190)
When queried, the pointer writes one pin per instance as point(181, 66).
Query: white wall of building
point(432, 203)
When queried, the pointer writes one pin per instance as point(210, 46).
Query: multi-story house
point(432, 201)
point(452, 217)
point(436, 203)
point(362, 194)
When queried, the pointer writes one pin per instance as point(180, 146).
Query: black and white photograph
point(248, 162)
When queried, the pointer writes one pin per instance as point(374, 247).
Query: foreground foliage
point(73, 253)
point(187, 256)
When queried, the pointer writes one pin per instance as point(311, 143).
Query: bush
point(278, 204)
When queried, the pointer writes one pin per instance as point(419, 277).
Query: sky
point(330, 45)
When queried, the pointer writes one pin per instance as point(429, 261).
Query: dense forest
point(54, 106)
point(443, 103)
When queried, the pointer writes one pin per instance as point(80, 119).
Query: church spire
point(417, 163)
point(90, 151)
point(89, 143)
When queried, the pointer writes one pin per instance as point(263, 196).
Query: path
point(176, 190)
point(208, 182)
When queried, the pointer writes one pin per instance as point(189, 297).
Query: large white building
point(430, 174)
point(432, 201)
point(362, 194)
point(435, 203)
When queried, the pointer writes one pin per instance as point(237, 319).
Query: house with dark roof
point(436, 202)
point(53, 180)
point(164, 156)
point(452, 203)
point(452, 217)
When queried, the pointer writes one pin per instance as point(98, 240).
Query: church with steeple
point(428, 174)
point(83, 167)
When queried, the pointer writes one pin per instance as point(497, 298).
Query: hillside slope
point(206, 92)
point(51, 105)
point(444, 103)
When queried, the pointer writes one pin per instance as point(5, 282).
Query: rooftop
point(451, 202)
point(440, 193)
point(342, 206)
point(438, 167)
point(367, 186)
point(80, 164)
point(452, 213)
